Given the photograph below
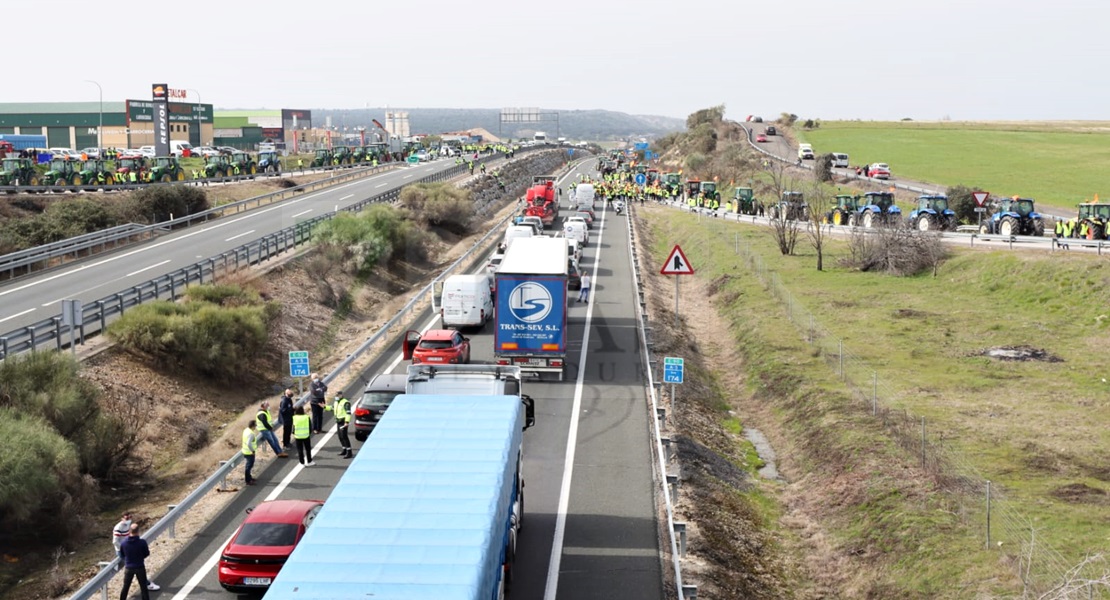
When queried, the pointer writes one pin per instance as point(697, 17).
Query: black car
point(770, 130)
point(375, 399)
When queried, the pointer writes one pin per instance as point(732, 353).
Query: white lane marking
point(409, 176)
point(186, 236)
point(240, 235)
point(19, 314)
point(572, 437)
point(347, 196)
point(381, 185)
point(146, 268)
point(303, 212)
point(81, 293)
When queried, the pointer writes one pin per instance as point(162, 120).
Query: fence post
point(689, 592)
point(841, 343)
point(104, 590)
point(680, 529)
point(173, 524)
point(874, 393)
point(672, 480)
point(922, 442)
point(988, 514)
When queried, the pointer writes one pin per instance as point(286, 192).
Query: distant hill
point(597, 125)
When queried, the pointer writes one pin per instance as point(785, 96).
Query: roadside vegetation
point(937, 338)
point(1058, 164)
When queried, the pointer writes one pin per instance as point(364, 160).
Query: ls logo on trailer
point(530, 302)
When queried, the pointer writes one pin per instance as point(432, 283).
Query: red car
point(761, 138)
point(878, 171)
point(263, 543)
point(437, 346)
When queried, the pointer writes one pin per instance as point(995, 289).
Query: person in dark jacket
point(319, 400)
point(135, 550)
point(285, 411)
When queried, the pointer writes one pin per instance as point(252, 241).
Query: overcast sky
point(846, 59)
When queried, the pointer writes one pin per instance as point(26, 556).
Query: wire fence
point(1040, 566)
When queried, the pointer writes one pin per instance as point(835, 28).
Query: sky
point(845, 59)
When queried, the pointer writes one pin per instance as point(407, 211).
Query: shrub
point(438, 205)
point(695, 161)
point(961, 201)
point(896, 251)
point(353, 242)
point(710, 116)
point(156, 204)
point(196, 435)
point(823, 167)
point(787, 119)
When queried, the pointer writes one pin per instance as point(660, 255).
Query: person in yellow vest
point(302, 436)
point(250, 445)
point(342, 409)
point(266, 429)
point(133, 176)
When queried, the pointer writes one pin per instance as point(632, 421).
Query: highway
point(590, 528)
point(31, 299)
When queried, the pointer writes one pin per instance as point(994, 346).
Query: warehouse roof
point(30, 108)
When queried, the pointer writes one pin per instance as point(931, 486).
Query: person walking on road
point(342, 409)
point(266, 429)
point(250, 447)
point(302, 434)
point(285, 413)
point(120, 533)
point(584, 291)
point(319, 391)
point(135, 550)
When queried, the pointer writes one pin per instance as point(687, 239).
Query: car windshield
point(11, 164)
point(435, 344)
point(1024, 207)
point(162, 162)
point(267, 534)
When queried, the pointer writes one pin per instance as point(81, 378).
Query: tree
point(823, 167)
point(961, 201)
point(710, 116)
point(815, 230)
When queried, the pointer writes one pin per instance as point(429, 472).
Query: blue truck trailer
point(23, 142)
point(531, 284)
point(430, 509)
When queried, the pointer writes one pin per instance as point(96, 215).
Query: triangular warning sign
point(980, 197)
point(677, 264)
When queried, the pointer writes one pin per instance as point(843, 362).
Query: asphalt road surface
point(589, 527)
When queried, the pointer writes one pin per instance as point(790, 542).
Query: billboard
point(292, 118)
point(160, 95)
point(520, 115)
point(179, 112)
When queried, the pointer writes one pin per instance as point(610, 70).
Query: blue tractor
point(932, 214)
point(1014, 216)
point(878, 209)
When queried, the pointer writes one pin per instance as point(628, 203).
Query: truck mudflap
point(536, 365)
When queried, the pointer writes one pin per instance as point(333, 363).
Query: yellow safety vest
point(342, 409)
point(250, 444)
point(302, 427)
point(269, 420)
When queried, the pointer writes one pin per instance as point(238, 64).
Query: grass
point(1058, 164)
point(1032, 427)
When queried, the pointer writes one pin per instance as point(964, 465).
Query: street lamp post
point(100, 128)
point(200, 118)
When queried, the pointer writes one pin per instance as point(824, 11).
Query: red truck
point(541, 200)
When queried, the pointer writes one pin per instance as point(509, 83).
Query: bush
point(354, 242)
point(219, 341)
point(710, 116)
point(961, 201)
point(896, 251)
point(696, 161)
point(823, 167)
point(156, 204)
point(787, 119)
point(438, 205)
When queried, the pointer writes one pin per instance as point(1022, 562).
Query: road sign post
point(71, 317)
point(980, 199)
point(299, 366)
point(676, 264)
point(674, 371)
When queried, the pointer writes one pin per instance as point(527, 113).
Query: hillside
point(598, 125)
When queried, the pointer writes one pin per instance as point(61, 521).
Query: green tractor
point(792, 207)
point(745, 203)
point(95, 171)
point(18, 171)
point(63, 172)
point(126, 166)
point(692, 190)
point(844, 210)
point(1093, 222)
point(243, 164)
point(708, 190)
point(166, 169)
point(673, 183)
point(217, 166)
point(342, 156)
point(269, 162)
point(322, 159)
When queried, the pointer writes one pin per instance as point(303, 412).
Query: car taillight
point(362, 412)
point(502, 361)
point(556, 363)
point(482, 314)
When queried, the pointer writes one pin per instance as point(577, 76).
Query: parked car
point(761, 138)
point(148, 151)
point(226, 150)
point(254, 555)
point(377, 396)
point(90, 152)
point(438, 346)
point(206, 151)
point(65, 153)
point(878, 170)
point(129, 153)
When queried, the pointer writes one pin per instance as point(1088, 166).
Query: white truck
point(464, 300)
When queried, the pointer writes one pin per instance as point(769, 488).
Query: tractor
point(217, 166)
point(745, 202)
point(126, 166)
point(652, 176)
point(1014, 216)
point(1093, 221)
point(322, 158)
point(709, 192)
point(693, 188)
point(342, 156)
point(166, 169)
point(673, 183)
point(845, 212)
point(95, 171)
point(792, 207)
point(243, 164)
point(18, 171)
point(878, 208)
point(269, 162)
point(62, 172)
point(932, 214)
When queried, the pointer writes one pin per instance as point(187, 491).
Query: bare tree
point(815, 229)
point(897, 251)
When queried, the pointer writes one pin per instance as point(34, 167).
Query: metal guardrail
point(100, 581)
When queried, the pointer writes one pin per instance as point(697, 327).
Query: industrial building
point(127, 124)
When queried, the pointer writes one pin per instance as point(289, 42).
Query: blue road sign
point(641, 179)
point(298, 363)
point(674, 369)
point(641, 146)
point(570, 151)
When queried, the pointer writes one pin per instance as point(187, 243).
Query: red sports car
point(761, 138)
point(437, 347)
point(263, 543)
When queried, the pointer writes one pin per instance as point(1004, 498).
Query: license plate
point(435, 359)
point(531, 362)
point(257, 580)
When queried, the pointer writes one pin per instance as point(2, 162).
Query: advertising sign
point(532, 315)
point(160, 97)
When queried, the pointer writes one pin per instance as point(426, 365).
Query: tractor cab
point(709, 189)
point(743, 194)
point(61, 172)
point(693, 188)
point(884, 200)
point(126, 165)
point(92, 165)
point(795, 198)
point(165, 162)
point(652, 176)
point(847, 203)
point(791, 207)
point(1022, 207)
point(269, 161)
point(934, 203)
point(18, 170)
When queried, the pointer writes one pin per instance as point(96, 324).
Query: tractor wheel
point(1007, 226)
point(1038, 227)
point(1095, 232)
point(853, 220)
point(984, 229)
point(181, 175)
point(868, 219)
point(77, 180)
point(166, 178)
point(254, 170)
point(926, 222)
point(837, 218)
point(33, 179)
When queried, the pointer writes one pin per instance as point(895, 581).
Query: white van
point(464, 300)
point(575, 229)
point(178, 147)
point(584, 194)
point(840, 160)
point(515, 231)
point(573, 249)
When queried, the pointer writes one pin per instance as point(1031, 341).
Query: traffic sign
point(641, 179)
point(412, 160)
point(980, 209)
point(677, 264)
point(980, 197)
point(674, 369)
point(298, 363)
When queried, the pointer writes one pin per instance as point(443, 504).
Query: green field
point(1036, 429)
point(1058, 164)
